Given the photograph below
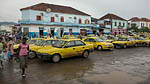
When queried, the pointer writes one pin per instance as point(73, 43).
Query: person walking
point(1, 53)
point(10, 48)
point(23, 55)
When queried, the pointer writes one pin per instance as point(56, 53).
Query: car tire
point(99, 48)
point(55, 58)
point(85, 54)
point(136, 45)
point(32, 55)
point(124, 46)
point(145, 44)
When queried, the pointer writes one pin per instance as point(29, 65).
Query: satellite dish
point(48, 10)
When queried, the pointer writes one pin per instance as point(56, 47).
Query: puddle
point(115, 78)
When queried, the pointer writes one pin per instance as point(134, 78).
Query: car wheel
point(32, 55)
point(85, 54)
point(124, 46)
point(99, 48)
point(56, 58)
point(136, 45)
point(145, 44)
point(117, 46)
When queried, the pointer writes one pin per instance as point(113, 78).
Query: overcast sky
point(10, 9)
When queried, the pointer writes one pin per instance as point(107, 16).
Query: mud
point(120, 66)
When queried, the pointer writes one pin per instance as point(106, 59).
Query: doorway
point(41, 30)
point(83, 32)
point(52, 30)
point(61, 32)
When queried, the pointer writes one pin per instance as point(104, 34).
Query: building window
point(87, 21)
point(123, 24)
point(38, 17)
point(52, 19)
point(80, 21)
point(115, 23)
point(62, 19)
point(70, 31)
point(119, 23)
point(75, 18)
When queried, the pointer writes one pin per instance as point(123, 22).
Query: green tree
point(133, 28)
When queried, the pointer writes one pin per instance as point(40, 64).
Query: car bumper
point(117, 45)
point(108, 47)
point(43, 56)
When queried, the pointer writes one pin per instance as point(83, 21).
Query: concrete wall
point(30, 15)
point(119, 21)
point(46, 29)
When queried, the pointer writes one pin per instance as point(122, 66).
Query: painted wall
point(35, 29)
point(106, 31)
point(30, 15)
point(148, 25)
point(119, 21)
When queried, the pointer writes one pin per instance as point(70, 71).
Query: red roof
point(136, 19)
point(112, 16)
point(145, 20)
point(55, 8)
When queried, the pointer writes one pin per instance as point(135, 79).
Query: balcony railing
point(54, 23)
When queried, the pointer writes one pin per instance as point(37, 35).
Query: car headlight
point(108, 45)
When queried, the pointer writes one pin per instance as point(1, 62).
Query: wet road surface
point(120, 66)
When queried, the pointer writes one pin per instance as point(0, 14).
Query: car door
point(129, 42)
point(91, 41)
point(80, 47)
point(69, 49)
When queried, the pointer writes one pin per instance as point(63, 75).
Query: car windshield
point(32, 41)
point(104, 38)
point(59, 44)
point(39, 43)
point(141, 38)
point(109, 37)
point(99, 40)
point(49, 42)
point(122, 39)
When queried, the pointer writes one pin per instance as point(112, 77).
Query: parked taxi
point(98, 43)
point(64, 49)
point(125, 42)
point(46, 43)
point(30, 42)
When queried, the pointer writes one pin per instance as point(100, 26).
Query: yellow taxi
point(30, 42)
point(147, 42)
point(46, 43)
point(70, 37)
point(125, 42)
point(108, 39)
point(64, 49)
point(140, 40)
point(98, 43)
